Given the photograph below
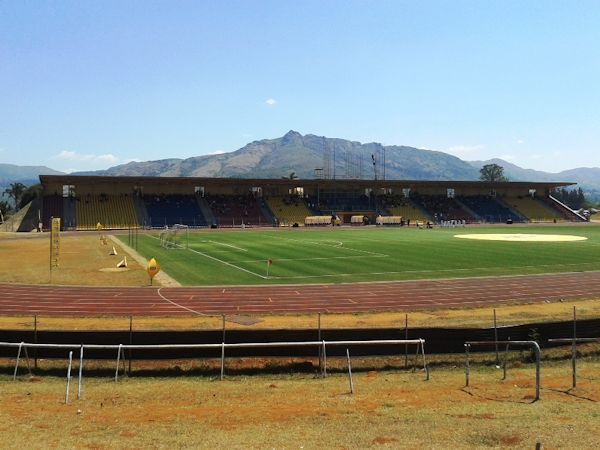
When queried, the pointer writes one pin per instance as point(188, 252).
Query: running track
point(66, 300)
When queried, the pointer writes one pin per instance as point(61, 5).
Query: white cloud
point(520, 141)
point(217, 152)
point(108, 158)
point(536, 156)
point(465, 150)
point(86, 161)
point(271, 102)
point(67, 155)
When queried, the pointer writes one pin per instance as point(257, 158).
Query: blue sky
point(91, 84)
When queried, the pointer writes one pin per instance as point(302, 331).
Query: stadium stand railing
point(563, 209)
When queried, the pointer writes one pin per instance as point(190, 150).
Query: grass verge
point(393, 409)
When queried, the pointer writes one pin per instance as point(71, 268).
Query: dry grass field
point(84, 260)
point(389, 409)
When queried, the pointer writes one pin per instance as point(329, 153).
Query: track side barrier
point(532, 344)
point(419, 343)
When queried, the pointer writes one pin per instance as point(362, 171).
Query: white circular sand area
point(522, 237)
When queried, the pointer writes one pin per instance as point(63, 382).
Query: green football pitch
point(327, 255)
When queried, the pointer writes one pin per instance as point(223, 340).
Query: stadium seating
point(168, 210)
point(345, 201)
point(489, 209)
point(403, 207)
point(288, 211)
point(442, 208)
point(563, 210)
point(112, 211)
point(533, 209)
point(230, 211)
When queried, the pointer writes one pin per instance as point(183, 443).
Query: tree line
point(573, 198)
point(18, 195)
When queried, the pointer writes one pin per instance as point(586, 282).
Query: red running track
point(334, 298)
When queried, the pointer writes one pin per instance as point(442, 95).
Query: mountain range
point(28, 175)
point(302, 154)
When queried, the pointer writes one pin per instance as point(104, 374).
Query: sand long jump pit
point(522, 237)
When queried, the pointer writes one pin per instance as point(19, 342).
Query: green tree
point(4, 210)
point(31, 193)
point(492, 173)
point(292, 176)
point(15, 191)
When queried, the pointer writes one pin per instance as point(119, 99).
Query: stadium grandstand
point(156, 202)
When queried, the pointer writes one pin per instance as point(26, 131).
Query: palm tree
point(15, 191)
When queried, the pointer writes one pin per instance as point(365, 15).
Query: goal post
point(175, 237)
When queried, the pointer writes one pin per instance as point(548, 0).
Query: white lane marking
point(178, 305)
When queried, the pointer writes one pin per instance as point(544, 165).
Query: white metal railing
point(321, 345)
point(533, 344)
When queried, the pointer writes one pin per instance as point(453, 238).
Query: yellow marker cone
point(152, 268)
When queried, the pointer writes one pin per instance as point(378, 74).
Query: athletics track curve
point(333, 298)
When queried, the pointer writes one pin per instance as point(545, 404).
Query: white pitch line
point(469, 269)
point(315, 259)
point(223, 262)
point(227, 245)
point(324, 243)
point(228, 264)
point(178, 305)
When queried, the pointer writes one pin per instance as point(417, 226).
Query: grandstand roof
point(357, 183)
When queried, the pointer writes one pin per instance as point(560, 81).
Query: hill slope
point(28, 175)
point(274, 158)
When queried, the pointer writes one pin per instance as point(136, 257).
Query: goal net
point(175, 237)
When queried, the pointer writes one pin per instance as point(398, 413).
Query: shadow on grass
point(523, 401)
point(570, 393)
point(146, 369)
